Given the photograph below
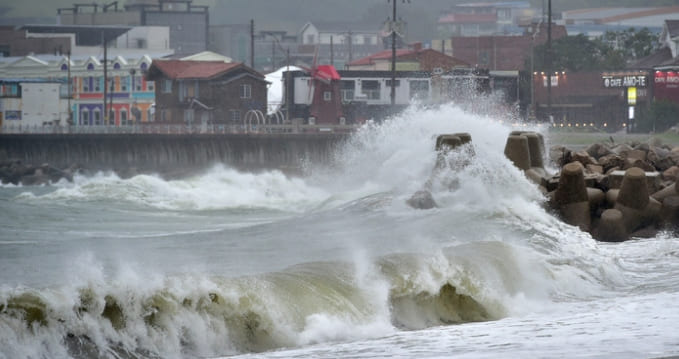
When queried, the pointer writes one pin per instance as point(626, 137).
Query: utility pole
point(332, 54)
point(393, 51)
point(105, 110)
point(252, 43)
point(287, 86)
point(393, 55)
point(548, 56)
point(69, 122)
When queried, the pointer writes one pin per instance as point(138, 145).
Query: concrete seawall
point(171, 154)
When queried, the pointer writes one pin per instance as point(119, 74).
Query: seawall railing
point(178, 129)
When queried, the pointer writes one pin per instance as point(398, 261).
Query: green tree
point(578, 53)
point(632, 44)
point(659, 117)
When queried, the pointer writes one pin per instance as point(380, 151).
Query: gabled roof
point(382, 55)
point(337, 27)
point(178, 69)
point(207, 56)
point(184, 70)
point(655, 59)
point(402, 54)
point(672, 27)
point(29, 61)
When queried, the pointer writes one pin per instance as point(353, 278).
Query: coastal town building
point(338, 44)
point(207, 92)
point(414, 58)
point(187, 23)
point(129, 96)
point(485, 18)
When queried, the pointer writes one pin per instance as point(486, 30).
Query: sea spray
point(204, 267)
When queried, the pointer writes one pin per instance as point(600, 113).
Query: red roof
point(386, 54)
point(179, 69)
point(327, 72)
point(468, 18)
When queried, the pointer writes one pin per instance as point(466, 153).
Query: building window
point(9, 90)
point(188, 116)
point(86, 84)
point(116, 66)
point(327, 95)
point(347, 89)
point(371, 89)
point(310, 39)
point(419, 89)
point(397, 82)
point(245, 91)
point(64, 67)
point(167, 86)
point(123, 118)
point(123, 83)
point(234, 115)
point(90, 66)
point(111, 117)
point(150, 86)
point(143, 66)
point(85, 117)
point(13, 115)
point(137, 83)
point(96, 114)
point(97, 84)
point(164, 115)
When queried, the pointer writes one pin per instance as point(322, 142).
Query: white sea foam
point(488, 252)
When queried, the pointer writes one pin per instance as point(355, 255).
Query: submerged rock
point(422, 200)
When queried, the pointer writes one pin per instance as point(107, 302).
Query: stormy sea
point(332, 264)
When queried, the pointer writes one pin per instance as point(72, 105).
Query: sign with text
point(631, 95)
point(613, 81)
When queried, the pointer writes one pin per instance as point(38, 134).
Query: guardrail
point(178, 129)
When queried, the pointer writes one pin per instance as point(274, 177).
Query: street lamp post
point(393, 51)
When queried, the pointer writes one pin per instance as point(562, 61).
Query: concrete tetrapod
point(571, 197)
point(518, 152)
point(423, 199)
point(611, 227)
point(634, 202)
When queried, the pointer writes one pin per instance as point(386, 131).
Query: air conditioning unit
point(437, 71)
point(312, 120)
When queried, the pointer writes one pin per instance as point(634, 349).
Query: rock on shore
point(630, 189)
point(16, 172)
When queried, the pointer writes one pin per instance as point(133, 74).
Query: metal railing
point(179, 129)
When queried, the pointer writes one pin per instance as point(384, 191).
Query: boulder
point(584, 158)
point(671, 174)
point(610, 161)
point(421, 200)
point(598, 150)
point(560, 155)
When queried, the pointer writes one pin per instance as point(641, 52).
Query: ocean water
point(330, 265)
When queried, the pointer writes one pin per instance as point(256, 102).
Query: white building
point(33, 103)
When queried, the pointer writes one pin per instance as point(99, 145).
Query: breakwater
point(170, 154)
